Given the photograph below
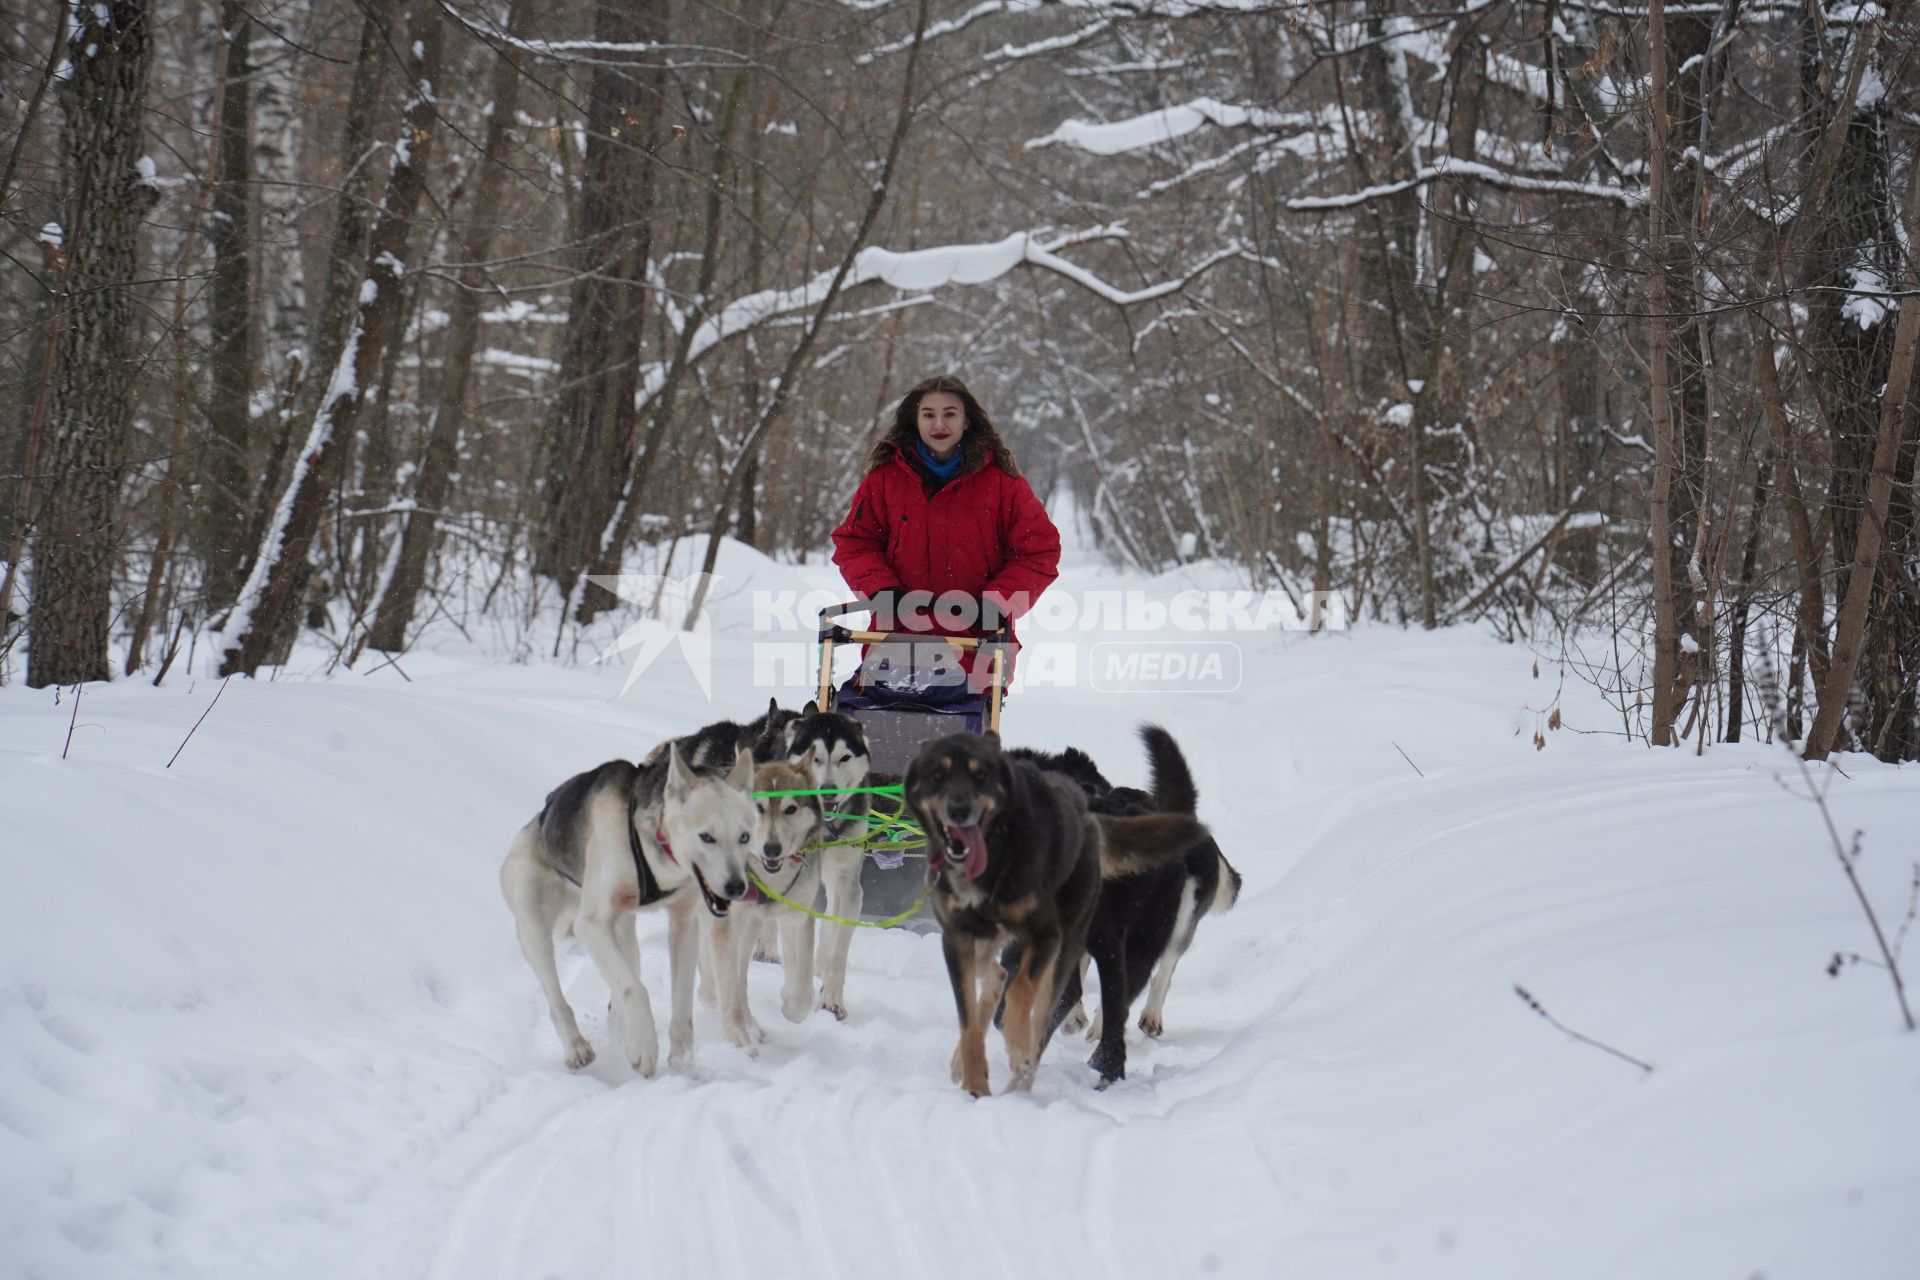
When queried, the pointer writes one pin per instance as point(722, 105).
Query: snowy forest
point(430, 428)
point(1583, 318)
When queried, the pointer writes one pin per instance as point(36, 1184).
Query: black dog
point(1014, 853)
point(1146, 919)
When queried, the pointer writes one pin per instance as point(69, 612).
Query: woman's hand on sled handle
point(995, 618)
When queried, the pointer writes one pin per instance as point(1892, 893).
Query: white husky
point(616, 840)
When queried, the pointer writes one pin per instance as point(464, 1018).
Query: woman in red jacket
point(944, 511)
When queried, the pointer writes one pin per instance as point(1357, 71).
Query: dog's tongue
point(976, 849)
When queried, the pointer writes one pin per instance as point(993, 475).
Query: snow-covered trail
point(263, 1013)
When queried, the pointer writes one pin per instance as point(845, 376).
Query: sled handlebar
point(839, 634)
point(995, 643)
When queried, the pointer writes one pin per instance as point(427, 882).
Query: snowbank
point(262, 1013)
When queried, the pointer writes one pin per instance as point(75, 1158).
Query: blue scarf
point(942, 471)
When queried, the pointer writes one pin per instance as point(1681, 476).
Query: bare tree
point(590, 432)
point(77, 545)
point(394, 612)
point(226, 481)
point(1895, 412)
point(269, 601)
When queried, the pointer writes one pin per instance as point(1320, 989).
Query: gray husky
point(620, 839)
point(784, 863)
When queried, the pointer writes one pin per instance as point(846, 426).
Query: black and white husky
point(839, 745)
point(714, 746)
point(624, 838)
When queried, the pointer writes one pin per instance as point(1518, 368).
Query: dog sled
point(910, 688)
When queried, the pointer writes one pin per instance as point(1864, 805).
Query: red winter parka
point(982, 533)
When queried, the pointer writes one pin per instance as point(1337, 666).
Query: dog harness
point(650, 890)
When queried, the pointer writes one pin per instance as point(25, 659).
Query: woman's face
point(942, 420)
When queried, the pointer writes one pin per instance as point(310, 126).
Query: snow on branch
point(1784, 9)
point(1448, 167)
point(1109, 11)
point(921, 270)
point(1316, 133)
point(1168, 123)
point(1008, 52)
point(490, 32)
point(1052, 44)
point(950, 25)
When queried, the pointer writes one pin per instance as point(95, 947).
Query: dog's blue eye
point(705, 838)
point(745, 836)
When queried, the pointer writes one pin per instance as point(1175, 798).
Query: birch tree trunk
point(1666, 622)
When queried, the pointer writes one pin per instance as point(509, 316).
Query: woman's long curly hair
point(981, 441)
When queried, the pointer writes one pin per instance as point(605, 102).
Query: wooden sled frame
point(833, 633)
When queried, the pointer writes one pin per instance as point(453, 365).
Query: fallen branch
point(71, 719)
point(1533, 1004)
point(196, 724)
point(1849, 856)
point(1409, 759)
point(1514, 565)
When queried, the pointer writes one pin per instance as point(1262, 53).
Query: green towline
point(891, 831)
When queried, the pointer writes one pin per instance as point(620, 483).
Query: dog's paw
point(1151, 1025)
point(645, 1058)
point(579, 1053)
point(741, 1037)
point(1020, 1078)
point(680, 1057)
point(1075, 1022)
point(767, 952)
point(1111, 1066)
point(795, 1009)
point(838, 1008)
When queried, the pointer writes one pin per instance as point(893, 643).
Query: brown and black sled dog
point(1014, 856)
